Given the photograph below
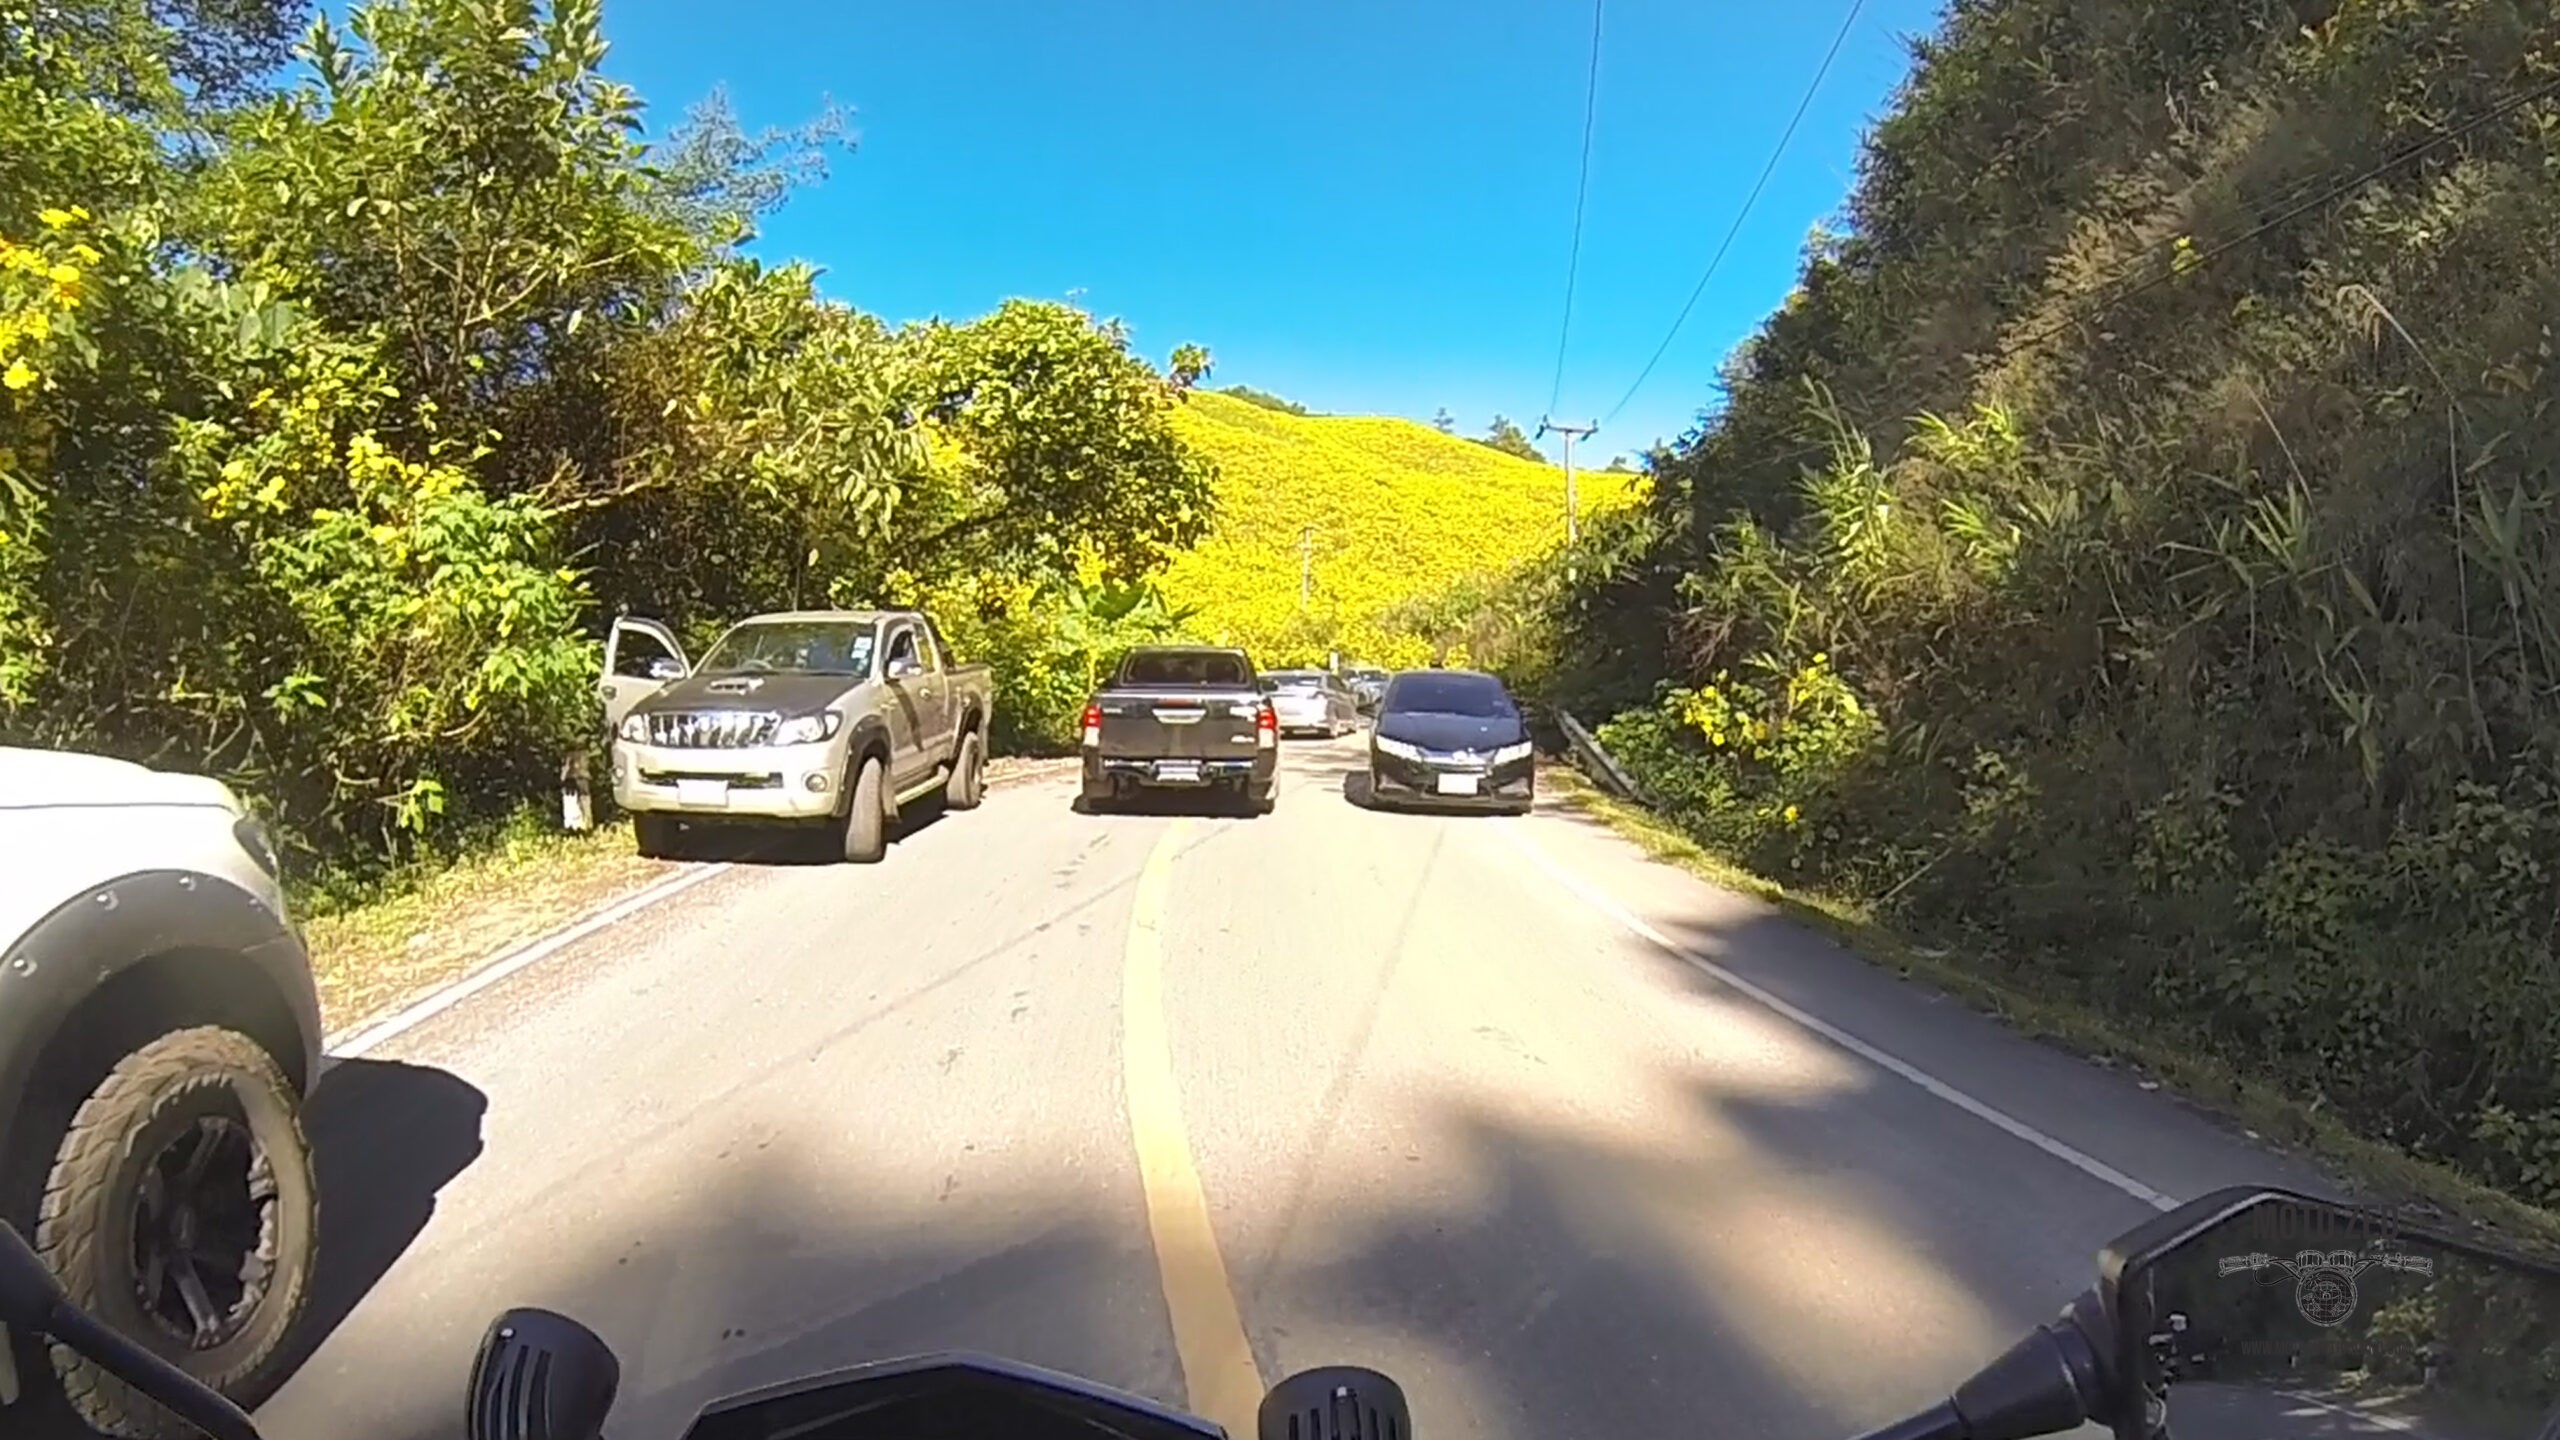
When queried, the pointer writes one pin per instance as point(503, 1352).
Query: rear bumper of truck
point(1120, 772)
point(769, 782)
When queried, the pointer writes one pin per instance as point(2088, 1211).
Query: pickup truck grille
point(713, 729)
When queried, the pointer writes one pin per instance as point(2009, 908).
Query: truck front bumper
point(768, 782)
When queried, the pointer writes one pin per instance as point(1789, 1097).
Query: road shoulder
point(1812, 933)
point(375, 960)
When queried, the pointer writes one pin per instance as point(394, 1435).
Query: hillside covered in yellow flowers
point(1400, 513)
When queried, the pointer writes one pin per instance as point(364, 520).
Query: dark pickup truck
point(1182, 717)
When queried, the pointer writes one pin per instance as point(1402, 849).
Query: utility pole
point(1306, 564)
point(1571, 433)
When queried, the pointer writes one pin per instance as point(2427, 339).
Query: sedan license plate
point(1178, 772)
point(1458, 784)
point(703, 792)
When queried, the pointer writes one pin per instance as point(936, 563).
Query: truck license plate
point(1458, 784)
point(703, 792)
point(1182, 772)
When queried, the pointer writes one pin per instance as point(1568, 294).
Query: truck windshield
point(798, 647)
point(1208, 669)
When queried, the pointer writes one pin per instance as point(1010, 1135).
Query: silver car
point(1311, 702)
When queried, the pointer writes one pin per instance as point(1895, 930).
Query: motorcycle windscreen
point(943, 1397)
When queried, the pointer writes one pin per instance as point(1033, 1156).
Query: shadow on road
point(744, 843)
point(385, 1138)
point(1159, 803)
point(1594, 1287)
point(766, 1272)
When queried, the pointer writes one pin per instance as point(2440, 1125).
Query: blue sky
point(1364, 205)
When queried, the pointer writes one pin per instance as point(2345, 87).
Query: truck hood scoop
point(735, 685)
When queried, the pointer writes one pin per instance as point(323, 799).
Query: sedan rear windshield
point(1206, 669)
point(1475, 696)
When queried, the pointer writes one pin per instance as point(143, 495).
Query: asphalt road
point(1181, 1104)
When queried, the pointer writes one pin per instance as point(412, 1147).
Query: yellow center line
point(1208, 1327)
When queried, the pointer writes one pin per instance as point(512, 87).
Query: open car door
point(641, 657)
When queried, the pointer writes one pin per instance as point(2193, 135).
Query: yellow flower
point(55, 219)
point(20, 375)
point(1791, 814)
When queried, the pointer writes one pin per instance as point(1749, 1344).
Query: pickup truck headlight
point(1398, 748)
point(635, 728)
point(1509, 753)
point(808, 729)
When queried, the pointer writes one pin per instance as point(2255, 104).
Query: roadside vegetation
point(343, 405)
point(1407, 532)
point(353, 373)
point(2128, 562)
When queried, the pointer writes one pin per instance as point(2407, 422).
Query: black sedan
point(1451, 737)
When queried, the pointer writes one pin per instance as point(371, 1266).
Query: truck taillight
point(1093, 724)
point(1266, 726)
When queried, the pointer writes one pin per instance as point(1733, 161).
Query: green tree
point(1265, 399)
point(1510, 439)
point(1061, 447)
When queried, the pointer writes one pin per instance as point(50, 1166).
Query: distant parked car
point(1451, 737)
point(1368, 684)
point(1311, 702)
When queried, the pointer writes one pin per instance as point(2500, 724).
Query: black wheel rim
point(204, 1232)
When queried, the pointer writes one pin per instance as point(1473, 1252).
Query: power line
point(1748, 201)
point(1581, 193)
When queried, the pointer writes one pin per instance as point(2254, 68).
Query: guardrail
point(1595, 761)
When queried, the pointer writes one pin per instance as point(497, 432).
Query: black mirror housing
point(2251, 1294)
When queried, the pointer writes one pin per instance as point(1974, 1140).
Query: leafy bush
point(336, 413)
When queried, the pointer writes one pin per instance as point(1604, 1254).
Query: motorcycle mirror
point(32, 1300)
point(541, 1376)
point(2267, 1312)
point(1336, 1402)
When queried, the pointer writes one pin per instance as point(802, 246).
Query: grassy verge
point(2378, 1173)
point(435, 924)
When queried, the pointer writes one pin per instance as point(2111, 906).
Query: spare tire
point(181, 1211)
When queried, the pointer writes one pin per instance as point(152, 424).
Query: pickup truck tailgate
point(1177, 724)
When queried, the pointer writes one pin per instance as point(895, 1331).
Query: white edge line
point(2072, 1156)
point(534, 952)
point(2393, 1423)
point(515, 961)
